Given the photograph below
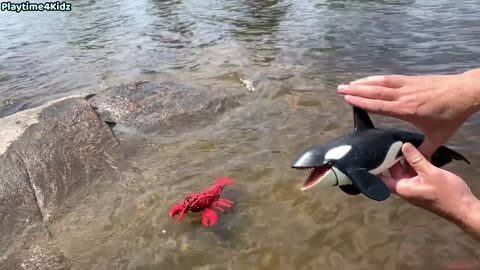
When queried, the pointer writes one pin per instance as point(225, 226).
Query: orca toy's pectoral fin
point(369, 184)
point(350, 189)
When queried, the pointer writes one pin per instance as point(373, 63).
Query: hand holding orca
point(354, 161)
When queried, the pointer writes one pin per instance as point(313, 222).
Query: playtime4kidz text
point(27, 6)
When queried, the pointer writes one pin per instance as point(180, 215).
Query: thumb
point(416, 160)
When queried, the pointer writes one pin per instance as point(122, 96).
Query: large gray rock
point(163, 107)
point(46, 154)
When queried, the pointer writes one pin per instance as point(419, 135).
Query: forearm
point(471, 84)
point(467, 216)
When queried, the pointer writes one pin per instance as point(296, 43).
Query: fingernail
point(347, 98)
point(342, 88)
point(408, 148)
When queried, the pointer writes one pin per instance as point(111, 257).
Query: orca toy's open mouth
point(316, 175)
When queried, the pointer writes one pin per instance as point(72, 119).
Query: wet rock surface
point(55, 149)
point(162, 107)
point(38, 251)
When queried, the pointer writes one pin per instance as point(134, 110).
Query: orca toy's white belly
point(390, 160)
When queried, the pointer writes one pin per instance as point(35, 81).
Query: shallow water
point(292, 51)
point(273, 225)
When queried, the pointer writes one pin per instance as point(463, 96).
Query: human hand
point(436, 190)
point(437, 104)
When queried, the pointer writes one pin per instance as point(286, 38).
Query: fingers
point(390, 182)
point(402, 182)
point(371, 80)
point(390, 81)
point(373, 105)
point(427, 147)
point(416, 159)
point(397, 171)
point(368, 91)
point(405, 186)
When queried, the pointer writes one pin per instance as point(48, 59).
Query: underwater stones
point(150, 106)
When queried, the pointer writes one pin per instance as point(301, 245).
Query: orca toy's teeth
point(315, 176)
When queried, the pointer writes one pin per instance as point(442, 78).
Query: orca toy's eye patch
point(338, 152)
point(316, 176)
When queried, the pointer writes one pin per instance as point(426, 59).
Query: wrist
point(467, 215)
point(471, 86)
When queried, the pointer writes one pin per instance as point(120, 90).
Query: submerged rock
point(163, 107)
point(37, 251)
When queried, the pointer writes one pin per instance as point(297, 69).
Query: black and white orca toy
point(354, 160)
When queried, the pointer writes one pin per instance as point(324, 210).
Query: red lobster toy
point(205, 200)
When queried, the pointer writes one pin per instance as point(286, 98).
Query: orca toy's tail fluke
point(444, 155)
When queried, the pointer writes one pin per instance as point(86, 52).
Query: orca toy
point(354, 160)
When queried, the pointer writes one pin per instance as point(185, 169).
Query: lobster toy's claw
point(177, 209)
point(209, 217)
point(221, 181)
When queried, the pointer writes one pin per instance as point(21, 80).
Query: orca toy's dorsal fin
point(361, 120)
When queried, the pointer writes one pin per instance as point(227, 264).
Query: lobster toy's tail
point(221, 181)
